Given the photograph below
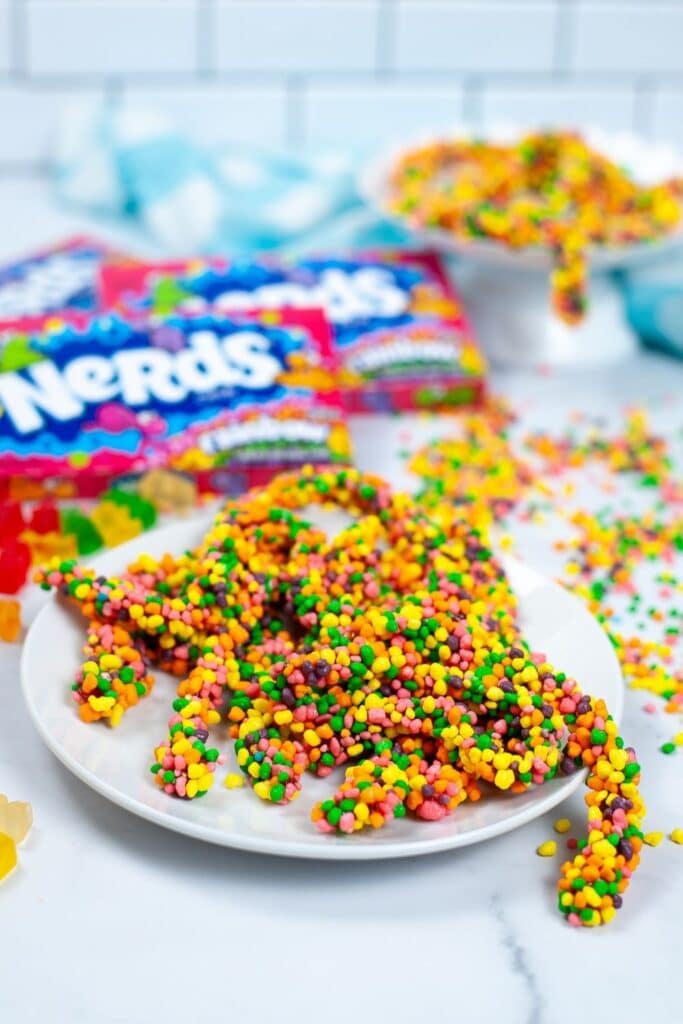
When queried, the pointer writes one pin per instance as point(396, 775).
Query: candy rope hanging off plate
point(547, 190)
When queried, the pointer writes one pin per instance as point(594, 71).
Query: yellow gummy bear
point(115, 523)
point(16, 818)
point(168, 491)
point(8, 855)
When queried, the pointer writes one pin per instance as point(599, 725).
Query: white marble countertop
point(111, 920)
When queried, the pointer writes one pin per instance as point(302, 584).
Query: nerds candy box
point(63, 277)
point(400, 333)
point(230, 400)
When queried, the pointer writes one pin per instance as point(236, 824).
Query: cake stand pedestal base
point(515, 325)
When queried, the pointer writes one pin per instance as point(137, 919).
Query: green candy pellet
point(334, 816)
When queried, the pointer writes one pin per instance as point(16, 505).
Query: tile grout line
point(18, 38)
point(207, 51)
point(295, 111)
point(564, 43)
point(472, 100)
point(643, 105)
point(385, 43)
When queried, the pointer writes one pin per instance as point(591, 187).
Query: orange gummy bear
point(10, 619)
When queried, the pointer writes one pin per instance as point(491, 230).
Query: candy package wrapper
point(229, 399)
point(62, 277)
point(400, 333)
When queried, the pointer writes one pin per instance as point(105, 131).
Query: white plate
point(115, 762)
point(646, 160)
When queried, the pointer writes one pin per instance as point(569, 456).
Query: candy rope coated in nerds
point(548, 189)
point(391, 649)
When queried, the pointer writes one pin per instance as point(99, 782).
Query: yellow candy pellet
point(547, 849)
point(8, 855)
point(653, 838)
point(234, 781)
point(504, 778)
point(562, 825)
point(676, 836)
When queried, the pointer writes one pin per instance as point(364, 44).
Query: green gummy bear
point(88, 537)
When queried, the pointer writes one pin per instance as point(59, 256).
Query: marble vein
point(519, 961)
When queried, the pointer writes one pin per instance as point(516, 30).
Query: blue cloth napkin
point(120, 161)
point(654, 303)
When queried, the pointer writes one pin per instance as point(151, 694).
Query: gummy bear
point(45, 546)
point(139, 507)
point(8, 855)
point(44, 518)
point(88, 537)
point(15, 561)
point(169, 491)
point(10, 627)
point(16, 818)
point(11, 520)
point(115, 523)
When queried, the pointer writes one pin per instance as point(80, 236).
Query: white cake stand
point(506, 292)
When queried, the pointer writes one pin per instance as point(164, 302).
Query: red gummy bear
point(11, 520)
point(15, 562)
point(45, 518)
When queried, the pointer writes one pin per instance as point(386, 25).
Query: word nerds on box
point(229, 399)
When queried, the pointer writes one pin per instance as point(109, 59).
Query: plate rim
point(356, 849)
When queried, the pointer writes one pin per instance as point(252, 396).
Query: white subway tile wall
point(5, 52)
point(478, 37)
point(567, 103)
point(107, 37)
point(221, 113)
point(379, 113)
point(297, 36)
point(359, 73)
point(667, 115)
point(645, 37)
